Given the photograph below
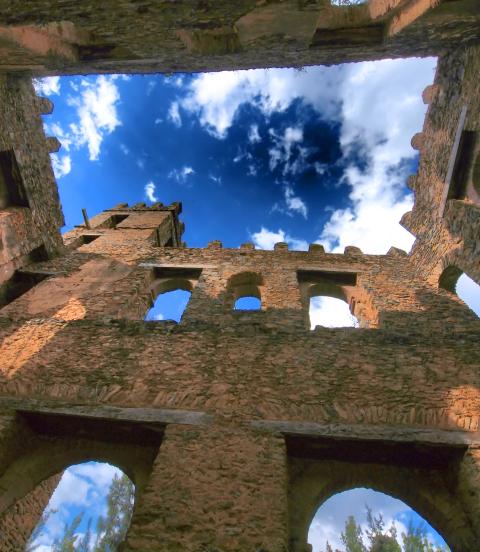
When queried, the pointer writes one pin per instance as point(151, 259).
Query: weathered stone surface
point(235, 426)
point(58, 36)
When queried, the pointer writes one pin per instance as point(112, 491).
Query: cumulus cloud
point(294, 203)
point(174, 114)
point(216, 97)
point(96, 108)
point(48, 86)
point(381, 110)
point(378, 107)
point(61, 164)
point(285, 145)
point(95, 103)
point(181, 175)
point(150, 192)
point(266, 239)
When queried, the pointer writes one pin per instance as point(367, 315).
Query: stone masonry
point(235, 426)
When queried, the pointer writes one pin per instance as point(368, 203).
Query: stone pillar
point(18, 522)
point(220, 488)
point(469, 488)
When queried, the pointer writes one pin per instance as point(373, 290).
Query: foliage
point(382, 539)
point(111, 528)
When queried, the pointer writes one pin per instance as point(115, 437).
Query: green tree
point(112, 529)
point(352, 537)
point(382, 539)
point(68, 541)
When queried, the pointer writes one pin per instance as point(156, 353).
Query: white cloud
point(469, 292)
point(174, 114)
point(150, 192)
point(158, 120)
point(181, 175)
point(266, 239)
point(125, 149)
point(330, 313)
point(100, 474)
point(283, 149)
point(381, 110)
point(96, 108)
point(216, 179)
point(294, 203)
point(254, 135)
point(47, 86)
point(71, 490)
point(216, 97)
point(61, 164)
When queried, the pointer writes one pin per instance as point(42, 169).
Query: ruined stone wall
point(447, 230)
point(24, 229)
point(79, 338)
point(58, 37)
point(18, 522)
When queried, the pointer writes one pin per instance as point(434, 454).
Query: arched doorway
point(90, 509)
point(366, 520)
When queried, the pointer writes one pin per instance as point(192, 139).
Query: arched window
point(91, 506)
point(330, 312)
point(169, 299)
point(248, 303)
point(455, 281)
point(244, 291)
point(375, 520)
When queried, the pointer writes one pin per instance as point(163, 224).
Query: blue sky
point(319, 154)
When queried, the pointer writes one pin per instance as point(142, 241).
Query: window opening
point(170, 291)
point(113, 221)
point(38, 255)
point(248, 303)
point(89, 238)
point(169, 305)
point(330, 312)
point(456, 281)
point(344, 518)
point(95, 516)
point(21, 282)
point(327, 295)
point(244, 291)
point(12, 190)
point(464, 182)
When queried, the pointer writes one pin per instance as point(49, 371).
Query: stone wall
point(79, 338)
point(28, 233)
point(447, 230)
point(58, 37)
point(18, 522)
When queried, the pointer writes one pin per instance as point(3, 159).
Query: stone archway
point(429, 491)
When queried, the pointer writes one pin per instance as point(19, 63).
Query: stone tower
point(235, 426)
